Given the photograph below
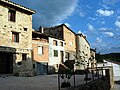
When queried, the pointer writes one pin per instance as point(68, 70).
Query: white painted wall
point(55, 60)
point(116, 69)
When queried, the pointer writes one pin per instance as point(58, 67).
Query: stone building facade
point(48, 53)
point(66, 34)
point(15, 38)
point(82, 52)
point(92, 57)
point(40, 53)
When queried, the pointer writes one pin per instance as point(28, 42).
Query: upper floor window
point(15, 37)
point(55, 53)
point(40, 50)
point(24, 56)
point(11, 15)
point(61, 43)
point(55, 42)
point(25, 29)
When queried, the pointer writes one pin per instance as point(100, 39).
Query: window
point(33, 66)
point(67, 56)
point(55, 42)
point(25, 29)
point(15, 37)
point(61, 43)
point(11, 15)
point(24, 56)
point(55, 53)
point(19, 63)
point(40, 50)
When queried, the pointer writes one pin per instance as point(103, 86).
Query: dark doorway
point(42, 68)
point(61, 56)
point(6, 63)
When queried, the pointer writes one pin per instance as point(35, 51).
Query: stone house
point(40, 51)
point(82, 52)
point(15, 39)
point(56, 54)
point(47, 52)
point(66, 34)
point(92, 58)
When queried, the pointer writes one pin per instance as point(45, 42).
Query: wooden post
point(58, 81)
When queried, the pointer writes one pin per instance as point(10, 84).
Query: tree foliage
point(110, 56)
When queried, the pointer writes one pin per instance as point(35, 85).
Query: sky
point(99, 20)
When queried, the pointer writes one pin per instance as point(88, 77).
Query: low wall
point(104, 83)
point(99, 84)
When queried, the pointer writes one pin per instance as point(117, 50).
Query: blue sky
point(99, 20)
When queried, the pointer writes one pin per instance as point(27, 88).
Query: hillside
point(111, 56)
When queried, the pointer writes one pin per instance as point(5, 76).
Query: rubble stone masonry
point(22, 26)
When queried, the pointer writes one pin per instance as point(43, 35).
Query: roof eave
point(18, 6)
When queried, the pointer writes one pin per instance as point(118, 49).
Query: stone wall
point(22, 20)
point(104, 83)
point(95, 85)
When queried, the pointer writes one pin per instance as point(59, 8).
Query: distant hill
point(111, 56)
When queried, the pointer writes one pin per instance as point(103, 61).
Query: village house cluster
point(27, 52)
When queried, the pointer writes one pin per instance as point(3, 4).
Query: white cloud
point(118, 18)
point(82, 14)
point(98, 39)
point(109, 34)
point(49, 12)
point(90, 27)
point(103, 29)
point(67, 24)
point(91, 18)
point(103, 22)
point(110, 2)
point(117, 23)
point(105, 12)
point(79, 32)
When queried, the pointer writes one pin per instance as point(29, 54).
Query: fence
point(68, 78)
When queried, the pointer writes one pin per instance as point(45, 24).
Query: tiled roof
point(60, 26)
point(42, 34)
point(17, 5)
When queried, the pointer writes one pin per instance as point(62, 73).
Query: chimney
point(41, 29)
point(84, 37)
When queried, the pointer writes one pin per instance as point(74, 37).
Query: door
point(42, 68)
point(6, 63)
point(61, 56)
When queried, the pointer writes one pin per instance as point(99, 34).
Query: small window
point(55, 53)
point(55, 42)
point(33, 66)
point(40, 49)
point(25, 29)
point(61, 43)
point(24, 56)
point(15, 37)
point(11, 15)
point(67, 55)
point(19, 63)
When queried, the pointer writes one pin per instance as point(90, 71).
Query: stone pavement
point(43, 82)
